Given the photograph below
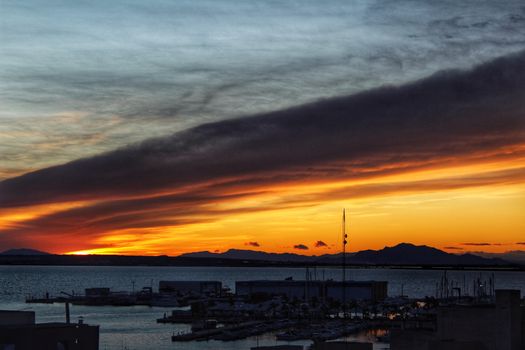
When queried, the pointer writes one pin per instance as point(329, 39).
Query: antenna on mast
point(344, 236)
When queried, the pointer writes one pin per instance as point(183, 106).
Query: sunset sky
point(164, 127)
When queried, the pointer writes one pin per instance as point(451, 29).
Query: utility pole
point(68, 318)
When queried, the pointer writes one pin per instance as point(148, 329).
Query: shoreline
point(164, 261)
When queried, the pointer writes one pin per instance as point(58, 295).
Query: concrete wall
point(523, 325)
point(500, 326)
point(509, 311)
point(473, 324)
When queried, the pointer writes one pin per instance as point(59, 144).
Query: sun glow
point(425, 207)
point(444, 205)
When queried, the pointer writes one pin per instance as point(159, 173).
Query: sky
point(163, 127)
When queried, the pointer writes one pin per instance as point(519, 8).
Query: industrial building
point(351, 290)
point(19, 331)
point(191, 287)
point(496, 326)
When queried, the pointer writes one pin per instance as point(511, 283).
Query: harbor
point(262, 175)
point(291, 310)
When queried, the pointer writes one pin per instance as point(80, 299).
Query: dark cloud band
point(165, 181)
point(448, 114)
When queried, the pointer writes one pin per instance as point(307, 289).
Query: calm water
point(135, 328)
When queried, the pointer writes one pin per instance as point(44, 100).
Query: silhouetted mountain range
point(409, 254)
point(401, 254)
point(513, 256)
point(23, 251)
point(240, 254)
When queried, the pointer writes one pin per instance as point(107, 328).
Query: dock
point(234, 332)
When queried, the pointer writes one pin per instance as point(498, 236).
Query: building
point(497, 326)
point(357, 290)
point(18, 331)
point(191, 287)
point(354, 290)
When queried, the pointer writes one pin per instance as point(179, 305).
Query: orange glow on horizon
point(446, 206)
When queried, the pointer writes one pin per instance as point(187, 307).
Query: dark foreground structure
point(18, 331)
point(497, 326)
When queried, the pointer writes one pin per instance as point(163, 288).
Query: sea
point(135, 328)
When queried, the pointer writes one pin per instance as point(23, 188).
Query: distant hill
point(513, 256)
point(240, 254)
point(409, 254)
point(401, 254)
point(23, 251)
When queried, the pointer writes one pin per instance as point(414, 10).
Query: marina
point(291, 310)
point(262, 175)
point(145, 329)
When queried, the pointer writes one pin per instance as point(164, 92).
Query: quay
point(216, 332)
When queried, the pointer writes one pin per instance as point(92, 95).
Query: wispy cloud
point(117, 62)
point(252, 244)
point(476, 244)
point(175, 180)
point(379, 131)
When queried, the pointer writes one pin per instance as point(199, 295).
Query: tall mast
point(344, 236)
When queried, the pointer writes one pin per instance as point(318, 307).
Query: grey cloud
point(320, 244)
point(175, 65)
point(175, 180)
point(448, 114)
point(300, 247)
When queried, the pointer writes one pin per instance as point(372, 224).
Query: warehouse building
point(191, 287)
point(352, 290)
